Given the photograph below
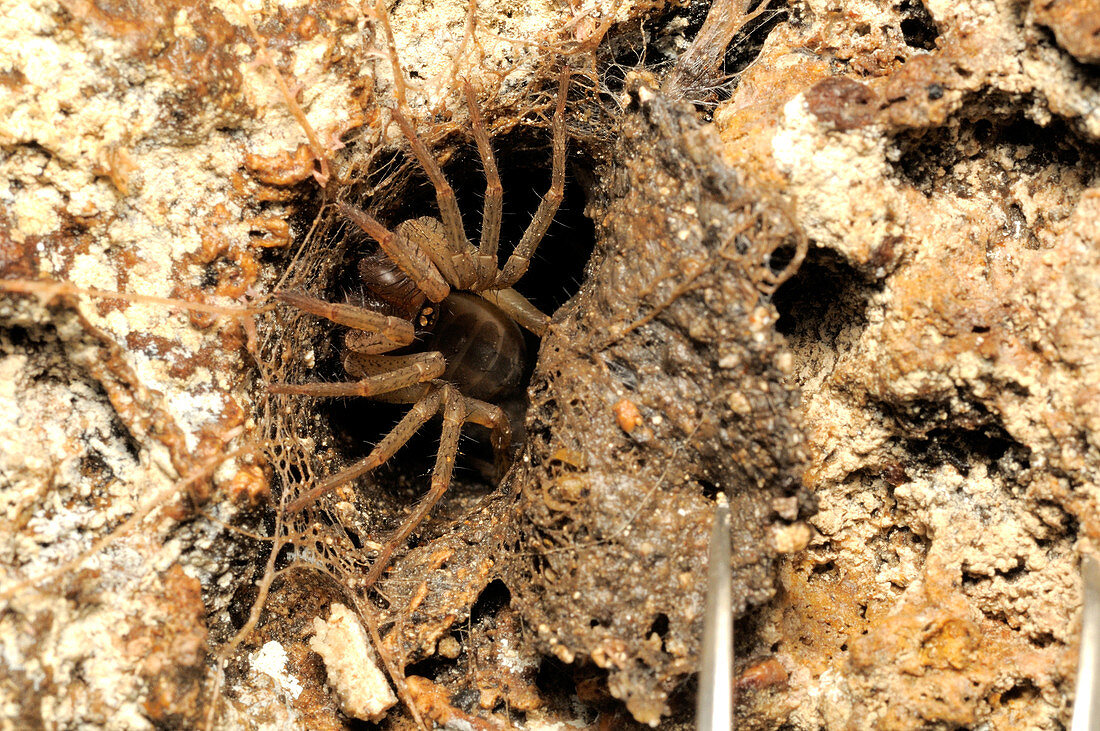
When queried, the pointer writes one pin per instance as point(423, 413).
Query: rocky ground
point(909, 419)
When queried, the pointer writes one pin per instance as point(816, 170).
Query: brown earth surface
point(908, 424)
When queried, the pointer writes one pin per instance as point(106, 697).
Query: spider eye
point(426, 318)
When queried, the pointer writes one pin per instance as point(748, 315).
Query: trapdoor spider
point(419, 281)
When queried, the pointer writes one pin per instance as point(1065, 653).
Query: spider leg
point(520, 259)
point(430, 236)
point(423, 367)
point(519, 308)
point(417, 416)
point(461, 252)
point(494, 418)
point(454, 415)
point(494, 193)
point(383, 333)
point(363, 365)
point(402, 251)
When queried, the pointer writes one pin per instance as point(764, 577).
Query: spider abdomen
point(484, 348)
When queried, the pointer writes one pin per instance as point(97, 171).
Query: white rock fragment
point(791, 538)
point(271, 661)
point(342, 643)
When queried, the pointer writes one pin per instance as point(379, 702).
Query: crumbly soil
point(906, 426)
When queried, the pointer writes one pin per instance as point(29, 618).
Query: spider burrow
point(428, 282)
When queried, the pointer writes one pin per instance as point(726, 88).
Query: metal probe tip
point(714, 711)
point(1086, 713)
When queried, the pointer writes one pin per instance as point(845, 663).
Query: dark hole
point(780, 259)
point(286, 555)
point(1024, 689)
point(825, 296)
point(929, 157)
point(971, 579)
point(19, 336)
point(1015, 572)
point(1048, 142)
point(494, 597)
point(555, 679)
point(747, 44)
point(919, 34)
point(1044, 639)
point(430, 667)
point(524, 160)
point(659, 626)
point(961, 447)
point(209, 277)
point(918, 30)
point(983, 130)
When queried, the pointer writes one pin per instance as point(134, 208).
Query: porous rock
point(941, 157)
point(349, 661)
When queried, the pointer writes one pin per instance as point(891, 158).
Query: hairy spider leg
point(493, 418)
point(390, 333)
point(480, 412)
point(461, 252)
point(373, 333)
point(494, 195)
point(416, 417)
point(454, 416)
point(424, 367)
point(519, 308)
point(411, 238)
point(457, 410)
point(430, 236)
point(517, 263)
point(419, 251)
point(403, 251)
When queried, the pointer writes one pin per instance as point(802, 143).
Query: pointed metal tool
point(1086, 704)
point(714, 710)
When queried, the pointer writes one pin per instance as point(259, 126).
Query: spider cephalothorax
point(428, 277)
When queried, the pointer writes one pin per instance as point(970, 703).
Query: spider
point(428, 278)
